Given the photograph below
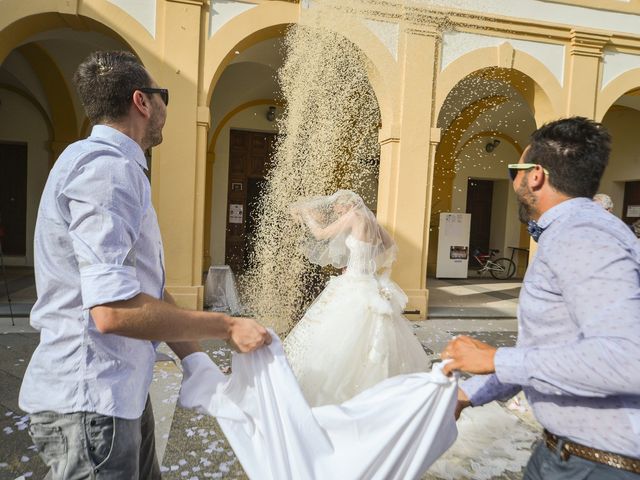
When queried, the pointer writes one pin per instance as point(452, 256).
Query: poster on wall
point(235, 212)
point(453, 245)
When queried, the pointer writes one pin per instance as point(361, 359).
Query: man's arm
point(181, 349)
point(147, 318)
point(602, 295)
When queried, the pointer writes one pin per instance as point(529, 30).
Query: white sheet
point(394, 430)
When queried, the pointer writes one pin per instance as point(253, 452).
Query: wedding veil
point(330, 220)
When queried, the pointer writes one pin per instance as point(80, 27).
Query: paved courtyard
point(191, 445)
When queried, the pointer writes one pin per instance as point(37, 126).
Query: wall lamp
point(491, 146)
point(271, 114)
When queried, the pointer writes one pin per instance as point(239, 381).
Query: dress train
point(394, 430)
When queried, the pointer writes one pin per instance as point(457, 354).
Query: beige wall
point(20, 121)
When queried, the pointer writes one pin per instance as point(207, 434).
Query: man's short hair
point(106, 81)
point(604, 200)
point(575, 151)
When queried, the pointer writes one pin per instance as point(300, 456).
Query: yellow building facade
point(460, 86)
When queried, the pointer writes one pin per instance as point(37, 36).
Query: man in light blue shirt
point(577, 357)
point(100, 280)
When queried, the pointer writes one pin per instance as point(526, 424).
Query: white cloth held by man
point(394, 430)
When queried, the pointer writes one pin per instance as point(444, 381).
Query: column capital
point(203, 117)
point(429, 30)
point(69, 7)
point(587, 44)
point(197, 3)
point(385, 141)
point(436, 134)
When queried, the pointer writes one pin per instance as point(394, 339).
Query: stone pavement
point(190, 445)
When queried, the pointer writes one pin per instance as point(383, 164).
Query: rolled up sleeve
point(104, 283)
point(104, 203)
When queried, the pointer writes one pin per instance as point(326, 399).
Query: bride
point(353, 335)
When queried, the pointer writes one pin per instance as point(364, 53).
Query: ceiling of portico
point(269, 52)
point(630, 100)
point(250, 76)
point(66, 48)
point(511, 117)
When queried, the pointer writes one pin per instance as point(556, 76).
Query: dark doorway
point(13, 198)
point(631, 199)
point(249, 154)
point(479, 202)
point(254, 191)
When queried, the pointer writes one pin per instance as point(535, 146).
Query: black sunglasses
point(164, 93)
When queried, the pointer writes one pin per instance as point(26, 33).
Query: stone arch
point(617, 87)
point(546, 98)
point(268, 20)
point(540, 92)
point(382, 65)
point(25, 19)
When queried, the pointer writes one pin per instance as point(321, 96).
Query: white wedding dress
point(353, 335)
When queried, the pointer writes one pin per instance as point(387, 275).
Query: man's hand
point(463, 402)
point(246, 335)
point(469, 355)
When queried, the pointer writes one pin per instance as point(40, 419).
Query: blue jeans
point(547, 465)
point(89, 445)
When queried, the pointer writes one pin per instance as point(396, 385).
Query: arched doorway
point(621, 179)
point(244, 99)
point(39, 117)
point(485, 119)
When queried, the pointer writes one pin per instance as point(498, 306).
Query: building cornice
point(433, 20)
point(586, 44)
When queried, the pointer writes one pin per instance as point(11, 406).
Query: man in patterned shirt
point(577, 357)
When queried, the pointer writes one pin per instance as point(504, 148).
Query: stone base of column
point(188, 297)
point(417, 306)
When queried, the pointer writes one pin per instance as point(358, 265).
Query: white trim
point(616, 63)
point(456, 44)
point(143, 11)
point(387, 32)
point(541, 11)
point(224, 10)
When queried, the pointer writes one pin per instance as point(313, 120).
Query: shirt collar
point(559, 210)
point(125, 143)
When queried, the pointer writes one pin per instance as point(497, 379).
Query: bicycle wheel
point(504, 268)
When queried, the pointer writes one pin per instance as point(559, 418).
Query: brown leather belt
point(593, 454)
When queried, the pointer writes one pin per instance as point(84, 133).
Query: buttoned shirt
point(577, 356)
point(97, 241)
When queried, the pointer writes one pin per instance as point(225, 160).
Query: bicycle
point(500, 268)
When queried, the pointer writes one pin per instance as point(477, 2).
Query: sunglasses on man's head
point(514, 167)
point(164, 93)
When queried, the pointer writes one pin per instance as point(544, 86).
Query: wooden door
point(13, 198)
point(249, 154)
point(631, 199)
point(479, 203)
